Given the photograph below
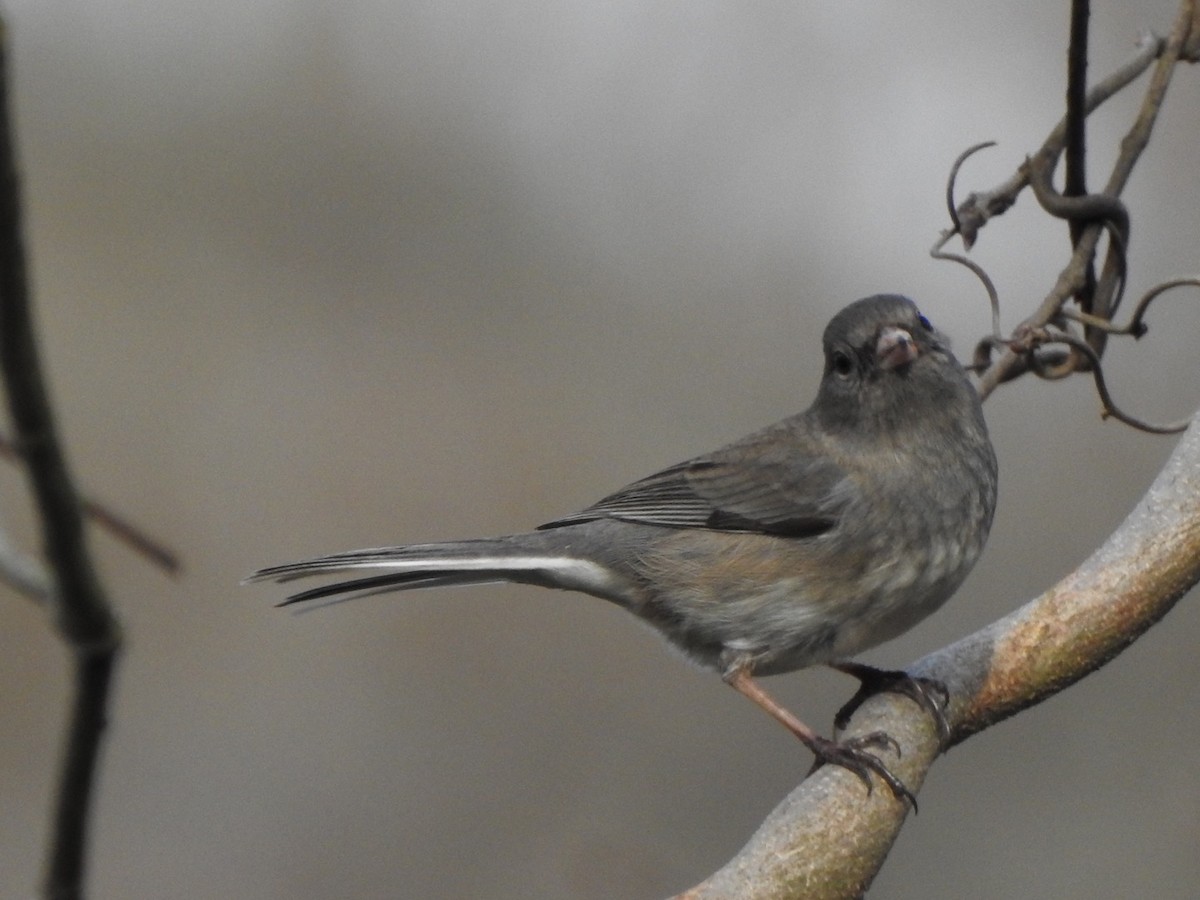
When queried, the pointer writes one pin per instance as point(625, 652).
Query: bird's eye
point(843, 365)
point(925, 323)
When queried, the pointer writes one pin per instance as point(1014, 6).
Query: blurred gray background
point(314, 277)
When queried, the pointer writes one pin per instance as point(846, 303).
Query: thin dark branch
point(132, 536)
point(1110, 405)
point(83, 616)
point(951, 183)
point(1072, 277)
point(1075, 179)
point(979, 208)
point(1075, 184)
point(1136, 325)
point(115, 524)
point(23, 573)
point(1105, 209)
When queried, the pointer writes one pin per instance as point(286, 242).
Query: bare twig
point(23, 573)
point(951, 182)
point(1135, 326)
point(970, 216)
point(937, 251)
point(978, 208)
point(1076, 117)
point(1110, 408)
point(1104, 209)
point(84, 618)
point(1074, 275)
point(115, 524)
point(132, 536)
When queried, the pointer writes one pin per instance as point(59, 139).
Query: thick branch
point(83, 615)
point(827, 839)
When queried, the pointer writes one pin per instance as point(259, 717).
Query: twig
point(1070, 279)
point(937, 251)
point(1135, 326)
point(116, 524)
point(979, 208)
point(1076, 117)
point(1105, 209)
point(1110, 407)
point(972, 214)
point(23, 573)
point(132, 536)
point(951, 182)
point(83, 616)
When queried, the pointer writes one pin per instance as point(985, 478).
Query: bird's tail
point(525, 558)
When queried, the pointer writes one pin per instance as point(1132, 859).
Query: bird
point(802, 544)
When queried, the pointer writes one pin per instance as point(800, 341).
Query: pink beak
point(895, 348)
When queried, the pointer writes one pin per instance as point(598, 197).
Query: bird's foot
point(854, 754)
point(874, 681)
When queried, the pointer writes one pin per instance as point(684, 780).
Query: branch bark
point(828, 840)
point(83, 616)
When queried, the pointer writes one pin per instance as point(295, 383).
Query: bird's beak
point(895, 348)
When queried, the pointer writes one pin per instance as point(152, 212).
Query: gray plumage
point(803, 543)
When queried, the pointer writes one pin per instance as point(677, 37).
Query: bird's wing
point(773, 482)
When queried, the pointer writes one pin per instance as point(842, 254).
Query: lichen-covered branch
point(827, 839)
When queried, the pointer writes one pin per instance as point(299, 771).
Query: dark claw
point(853, 754)
point(874, 681)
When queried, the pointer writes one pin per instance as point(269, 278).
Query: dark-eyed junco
point(804, 543)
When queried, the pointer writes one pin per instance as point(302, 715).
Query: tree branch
point(980, 207)
point(84, 619)
point(1073, 276)
point(1076, 118)
point(115, 524)
point(23, 573)
point(828, 840)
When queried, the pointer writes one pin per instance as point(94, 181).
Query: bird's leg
point(873, 681)
point(851, 754)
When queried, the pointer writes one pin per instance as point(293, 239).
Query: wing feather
point(772, 482)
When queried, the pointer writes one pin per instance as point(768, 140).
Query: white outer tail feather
point(444, 567)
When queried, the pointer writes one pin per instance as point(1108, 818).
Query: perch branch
point(827, 839)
